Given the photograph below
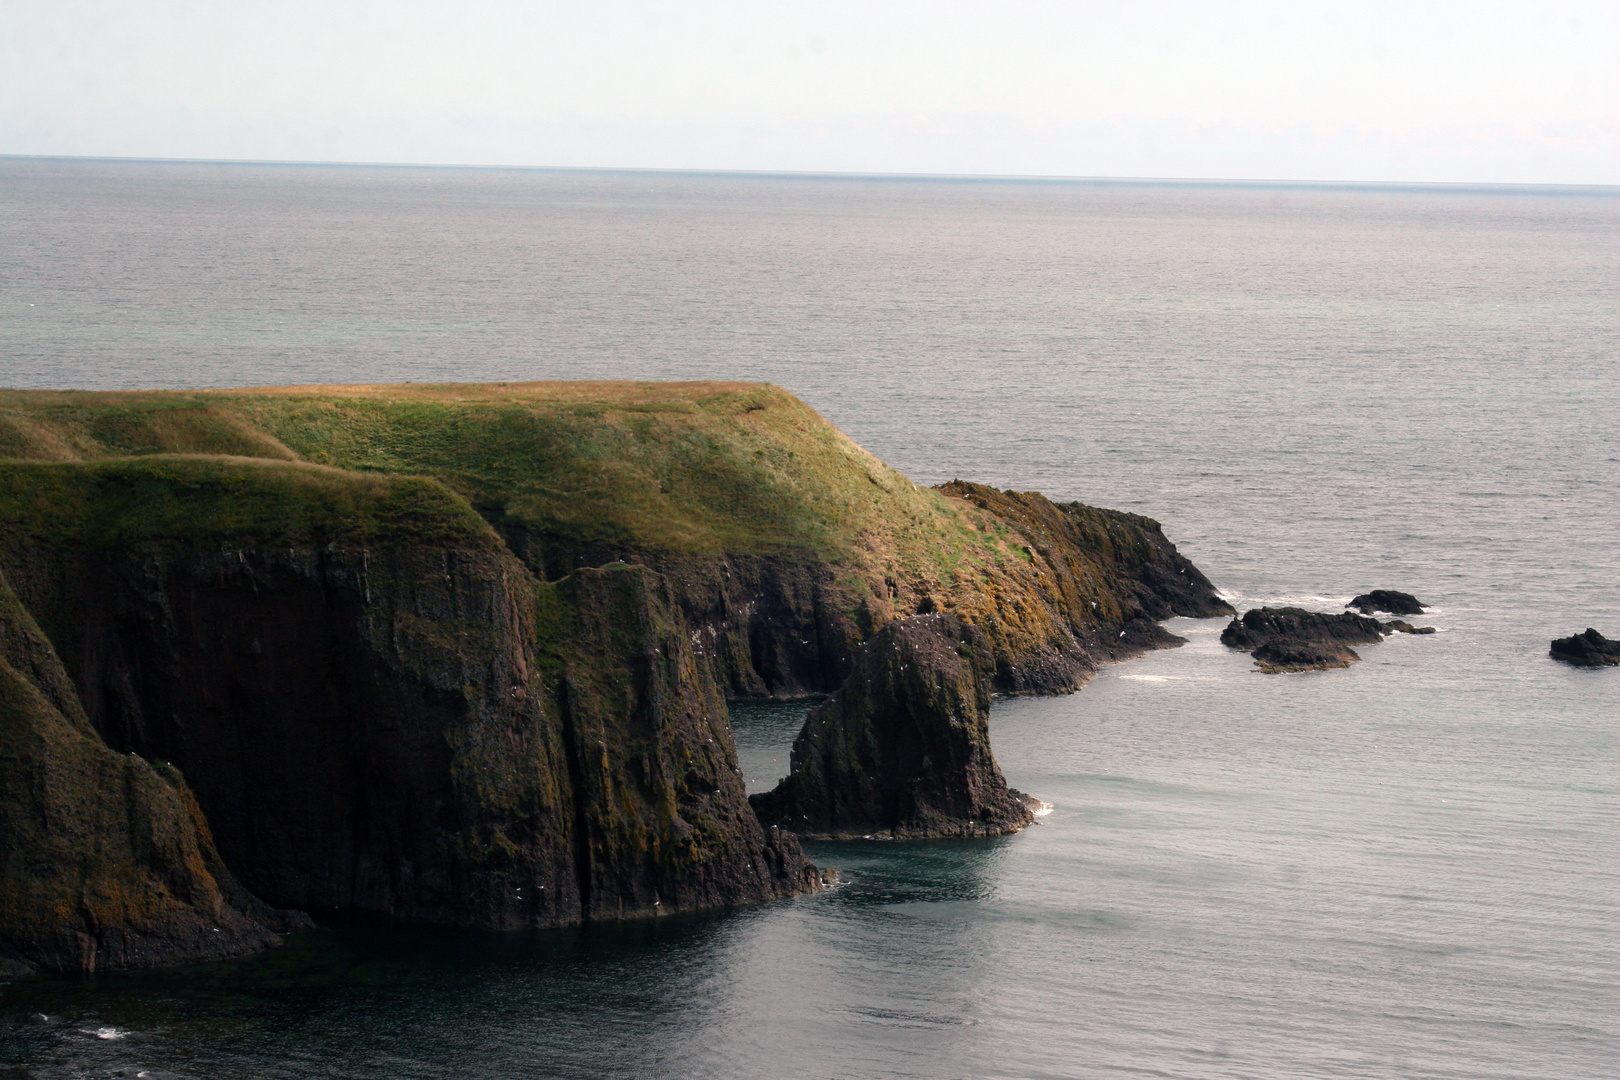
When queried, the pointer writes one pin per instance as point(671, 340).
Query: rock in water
point(1396, 603)
point(105, 859)
point(903, 748)
point(1401, 626)
point(1277, 657)
point(1293, 639)
point(1590, 649)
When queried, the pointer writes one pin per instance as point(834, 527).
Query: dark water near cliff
point(1407, 869)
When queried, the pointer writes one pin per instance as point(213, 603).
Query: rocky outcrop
point(1091, 591)
point(105, 859)
point(903, 748)
point(1590, 649)
point(1387, 600)
point(662, 820)
point(1293, 639)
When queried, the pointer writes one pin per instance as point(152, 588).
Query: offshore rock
point(1278, 657)
point(903, 748)
point(1395, 603)
point(1293, 639)
point(1401, 626)
point(105, 859)
point(1590, 649)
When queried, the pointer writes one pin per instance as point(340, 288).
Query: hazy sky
point(1507, 93)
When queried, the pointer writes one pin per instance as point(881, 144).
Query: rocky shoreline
point(328, 676)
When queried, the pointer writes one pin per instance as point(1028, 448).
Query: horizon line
point(808, 174)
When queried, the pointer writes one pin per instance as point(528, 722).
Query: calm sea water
point(1410, 868)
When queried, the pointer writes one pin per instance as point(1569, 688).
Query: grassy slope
point(695, 468)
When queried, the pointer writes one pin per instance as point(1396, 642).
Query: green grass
point(211, 500)
point(738, 468)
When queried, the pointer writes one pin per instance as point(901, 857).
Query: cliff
point(105, 859)
point(382, 710)
point(903, 747)
point(460, 654)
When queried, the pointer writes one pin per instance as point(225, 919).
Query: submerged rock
point(1401, 626)
point(1293, 639)
point(1388, 600)
point(1590, 649)
point(903, 748)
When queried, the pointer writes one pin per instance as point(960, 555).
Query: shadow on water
point(382, 1002)
point(653, 997)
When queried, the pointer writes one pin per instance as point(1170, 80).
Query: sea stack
point(903, 748)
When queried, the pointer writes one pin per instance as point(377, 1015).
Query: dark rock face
point(380, 730)
point(1293, 639)
point(903, 747)
point(662, 819)
point(1396, 603)
point(105, 859)
point(1401, 626)
point(1590, 649)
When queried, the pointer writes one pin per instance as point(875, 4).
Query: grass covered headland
point(460, 654)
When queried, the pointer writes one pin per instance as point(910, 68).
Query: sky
point(1422, 92)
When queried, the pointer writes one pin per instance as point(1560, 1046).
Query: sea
point(1409, 868)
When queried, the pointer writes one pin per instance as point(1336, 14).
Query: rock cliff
point(384, 712)
point(460, 654)
point(903, 748)
point(105, 859)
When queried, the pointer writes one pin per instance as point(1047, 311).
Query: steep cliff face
point(385, 712)
point(105, 860)
point(903, 747)
point(662, 816)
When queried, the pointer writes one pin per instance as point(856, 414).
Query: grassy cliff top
point(217, 499)
point(703, 467)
